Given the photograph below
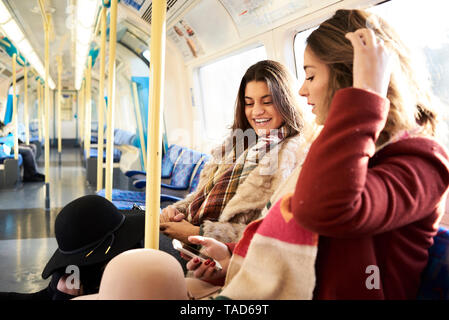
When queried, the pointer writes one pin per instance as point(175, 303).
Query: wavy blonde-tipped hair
point(410, 99)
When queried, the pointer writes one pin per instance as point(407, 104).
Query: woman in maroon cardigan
point(374, 183)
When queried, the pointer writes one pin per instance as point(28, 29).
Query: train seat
point(34, 132)
point(435, 278)
point(138, 178)
point(126, 198)
point(190, 163)
point(9, 168)
point(3, 158)
point(121, 137)
point(94, 154)
point(167, 199)
point(123, 149)
point(7, 150)
point(182, 173)
point(169, 161)
point(94, 133)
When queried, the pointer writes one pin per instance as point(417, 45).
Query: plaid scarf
point(223, 184)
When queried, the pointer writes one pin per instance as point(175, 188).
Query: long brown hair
point(410, 100)
point(285, 99)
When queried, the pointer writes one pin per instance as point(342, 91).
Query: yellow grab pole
point(139, 125)
point(88, 114)
point(81, 106)
point(111, 100)
point(25, 105)
point(42, 115)
point(154, 157)
point(101, 101)
point(14, 108)
point(47, 103)
point(39, 109)
point(59, 104)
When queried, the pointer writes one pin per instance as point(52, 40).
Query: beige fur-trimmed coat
point(252, 195)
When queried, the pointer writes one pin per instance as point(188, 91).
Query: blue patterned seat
point(184, 179)
point(182, 173)
point(168, 163)
point(435, 278)
point(123, 137)
point(169, 160)
point(34, 132)
point(196, 174)
point(94, 154)
point(171, 198)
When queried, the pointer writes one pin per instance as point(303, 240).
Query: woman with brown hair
point(356, 221)
point(376, 200)
point(246, 169)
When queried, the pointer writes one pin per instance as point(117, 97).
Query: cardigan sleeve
point(339, 195)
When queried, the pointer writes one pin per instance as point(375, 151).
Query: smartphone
point(193, 253)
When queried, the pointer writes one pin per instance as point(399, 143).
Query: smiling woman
point(260, 111)
point(268, 84)
point(246, 168)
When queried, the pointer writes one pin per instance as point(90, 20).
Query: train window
point(426, 33)
point(429, 38)
point(299, 47)
point(219, 82)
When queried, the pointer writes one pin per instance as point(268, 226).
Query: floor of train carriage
point(27, 238)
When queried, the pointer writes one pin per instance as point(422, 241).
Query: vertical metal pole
point(47, 104)
point(47, 115)
point(88, 114)
point(154, 157)
point(14, 108)
point(81, 112)
point(25, 106)
point(39, 109)
point(101, 101)
point(111, 96)
point(139, 125)
point(59, 105)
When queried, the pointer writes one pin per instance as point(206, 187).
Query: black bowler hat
point(91, 230)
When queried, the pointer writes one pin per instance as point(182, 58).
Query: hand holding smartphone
point(193, 253)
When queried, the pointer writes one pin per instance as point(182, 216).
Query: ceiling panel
point(28, 16)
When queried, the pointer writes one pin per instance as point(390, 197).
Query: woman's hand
point(180, 230)
point(170, 214)
point(372, 62)
point(216, 250)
